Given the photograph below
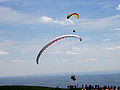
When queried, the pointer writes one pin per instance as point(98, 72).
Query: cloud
point(76, 48)
point(7, 15)
point(107, 22)
point(112, 48)
point(117, 29)
point(107, 39)
point(92, 59)
point(80, 49)
point(33, 27)
point(47, 19)
point(5, 44)
point(71, 53)
point(55, 52)
point(69, 21)
point(3, 53)
point(17, 60)
point(3, 0)
point(118, 8)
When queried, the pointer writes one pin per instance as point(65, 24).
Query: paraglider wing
point(54, 40)
point(74, 14)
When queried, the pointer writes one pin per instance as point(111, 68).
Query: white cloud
point(107, 22)
point(117, 29)
point(69, 21)
point(107, 39)
point(55, 52)
point(71, 53)
point(47, 19)
point(118, 8)
point(7, 15)
point(76, 48)
point(3, 53)
point(92, 59)
point(6, 42)
point(17, 60)
point(4, 45)
point(80, 49)
point(3, 0)
point(112, 48)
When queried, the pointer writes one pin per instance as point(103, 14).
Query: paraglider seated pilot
point(73, 77)
point(74, 31)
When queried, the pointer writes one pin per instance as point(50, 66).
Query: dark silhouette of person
point(73, 77)
point(74, 31)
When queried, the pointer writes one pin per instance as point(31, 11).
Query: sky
point(27, 25)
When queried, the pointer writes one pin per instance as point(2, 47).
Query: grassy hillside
point(28, 88)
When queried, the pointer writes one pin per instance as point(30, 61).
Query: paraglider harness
point(73, 77)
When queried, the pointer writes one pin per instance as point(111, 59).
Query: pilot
point(73, 77)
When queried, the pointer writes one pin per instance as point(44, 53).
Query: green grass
point(18, 87)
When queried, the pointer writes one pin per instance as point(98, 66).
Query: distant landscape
point(62, 81)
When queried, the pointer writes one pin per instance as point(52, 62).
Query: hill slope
point(28, 88)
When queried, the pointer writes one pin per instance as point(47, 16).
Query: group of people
point(94, 87)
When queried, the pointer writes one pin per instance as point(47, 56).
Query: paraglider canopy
point(54, 40)
point(73, 14)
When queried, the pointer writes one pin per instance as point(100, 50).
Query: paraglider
point(73, 14)
point(59, 38)
point(73, 77)
point(54, 40)
point(74, 31)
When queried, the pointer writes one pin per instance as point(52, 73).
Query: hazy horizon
point(55, 80)
point(68, 73)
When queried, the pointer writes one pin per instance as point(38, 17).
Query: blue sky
point(27, 25)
